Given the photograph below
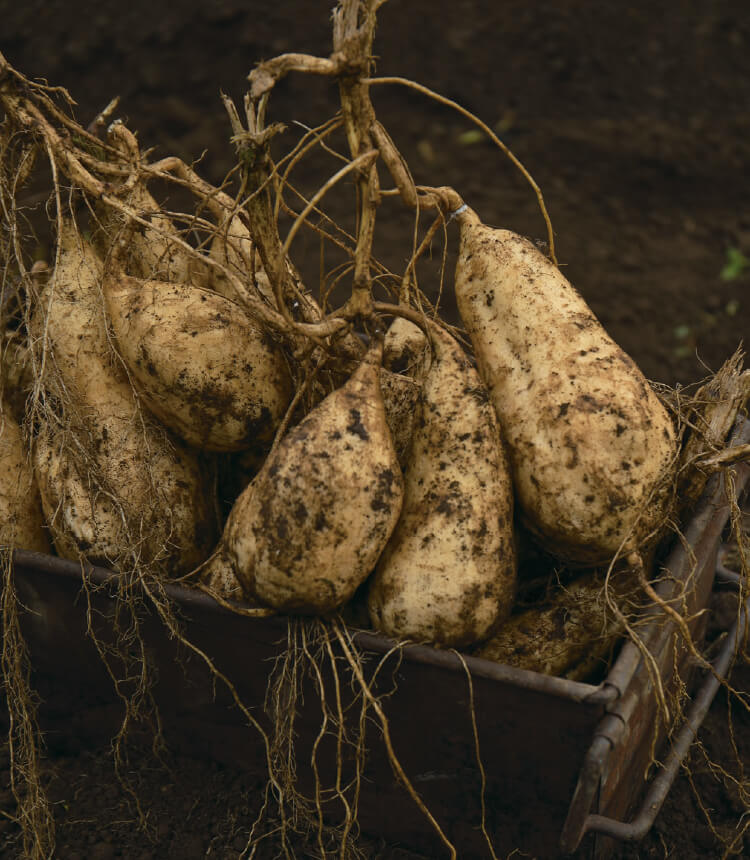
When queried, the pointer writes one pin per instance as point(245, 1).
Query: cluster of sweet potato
point(401, 479)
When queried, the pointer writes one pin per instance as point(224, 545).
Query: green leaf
point(735, 265)
point(470, 137)
point(732, 307)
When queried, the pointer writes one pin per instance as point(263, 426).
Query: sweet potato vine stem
point(354, 41)
point(351, 61)
point(361, 162)
point(405, 82)
point(252, 147)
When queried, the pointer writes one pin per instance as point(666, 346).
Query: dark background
point(633, 117)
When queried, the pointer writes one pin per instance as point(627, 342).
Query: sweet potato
point(571, 629)
point(311, 525)
point(112, 482)
point(201, 364)
point(591, 445)
point(448, 572)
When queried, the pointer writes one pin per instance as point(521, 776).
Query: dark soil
point(634, 121)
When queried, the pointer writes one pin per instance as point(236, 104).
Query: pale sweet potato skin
point(312, 524)
point(21, 519)
point(201, 364)
point(134, 489)
point(591, 445)
point(573, 626)
point(447, 575)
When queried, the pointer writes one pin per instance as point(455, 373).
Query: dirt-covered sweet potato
point(448, 572)
point(568, 633)
point(202, 365)
point(591, 446)
point(310, 527)
point(113, 483)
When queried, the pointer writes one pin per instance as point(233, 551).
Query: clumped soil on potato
point(634, 124)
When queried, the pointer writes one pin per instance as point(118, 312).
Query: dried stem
point(405, 82)
point(353, 40)
point(363, 161)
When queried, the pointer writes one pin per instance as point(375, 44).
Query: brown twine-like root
point(366, 691)
point(482, 774)
point(33, 813)
point(322, 819)
point(405, 82)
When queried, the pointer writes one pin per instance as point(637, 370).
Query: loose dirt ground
point(634, 121)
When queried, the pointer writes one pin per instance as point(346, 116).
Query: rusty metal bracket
point(580, 820)
point(639, 826)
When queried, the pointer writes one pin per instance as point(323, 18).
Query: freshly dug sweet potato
point(309, 528)
point(112, 482)
point(569, 632)
point(406, 356)
point(405, 347)
point(145, 497)
point(591, 446)
point(153, 253)
point(21, 519)
point(448, 572)
point(201, 364)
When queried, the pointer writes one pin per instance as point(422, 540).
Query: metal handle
point(636, 829)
